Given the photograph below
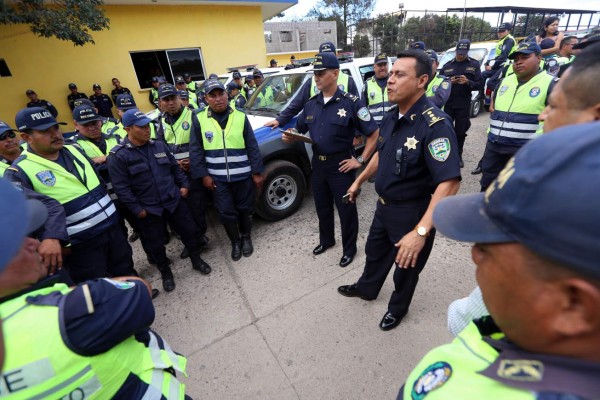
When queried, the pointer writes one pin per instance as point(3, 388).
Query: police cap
point(184, 94)
point(96, 86)
point(418, 46)
point(84, 114)
point(80, 102)
point(236, 75)
point(463, 46)
point(29, 91)
point(380, 58)
point(232, 86)
point(72, 86)
point(526, 48)
point(167, 90)
point(213, 84)
point(125, 102)
point(4, 127)
point(505, 26)
point(135, 117)
point(325, 61)
point(37, 118)
point(179, 79)
point(327, 47)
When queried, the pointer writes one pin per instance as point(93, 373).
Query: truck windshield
point(276, 92)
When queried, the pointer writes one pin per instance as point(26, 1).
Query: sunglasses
point(7, 134)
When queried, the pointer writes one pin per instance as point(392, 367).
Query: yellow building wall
point(283, 59)
point(226, 35)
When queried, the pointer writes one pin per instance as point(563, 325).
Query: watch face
point(360, 159)
point(422, 231)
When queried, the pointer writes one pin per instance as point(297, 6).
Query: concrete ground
point(273, 326)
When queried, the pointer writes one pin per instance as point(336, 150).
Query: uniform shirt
point(460, 96)
point(197, 157)
point(417, 151)
point(115, 92)
point(303, 96)
point(72, 97)
point(104, 104)
point(440, 88)
point(146, 177)
point(44, 104)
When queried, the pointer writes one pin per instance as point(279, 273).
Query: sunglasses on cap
point(8, 134)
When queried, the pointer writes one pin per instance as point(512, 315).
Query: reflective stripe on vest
point(517, 107)
point(87, 206)
point(225, 149)
point(107, 126)
point(92, 151)
point(44, 367)
point(342, 82)
point(177, 136)
point(377, 101)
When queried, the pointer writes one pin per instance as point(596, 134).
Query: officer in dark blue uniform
point(416, 164)
point(149, 182)
point(308, 90)
point(236, 98)
point(102, 102)
point(465, 74)
point(332, 117)
point(75, 95)
point(36, 102)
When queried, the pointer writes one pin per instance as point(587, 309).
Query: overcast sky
point(386, 6)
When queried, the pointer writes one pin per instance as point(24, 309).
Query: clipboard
point(297, 136)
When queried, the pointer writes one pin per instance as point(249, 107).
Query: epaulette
point(116, 148)
point(21, 157)
point(432, 116)
point(351, 97)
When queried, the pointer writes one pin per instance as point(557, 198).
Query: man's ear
point(423, 79)
point(577, 313)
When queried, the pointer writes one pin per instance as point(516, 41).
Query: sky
point(386, 6)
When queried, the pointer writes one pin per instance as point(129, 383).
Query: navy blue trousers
point(231, 199)
point(390, 224)
point(329, 185)
point(462, 123)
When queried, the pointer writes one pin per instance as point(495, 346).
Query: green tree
point(387, 30)
point(69, 20)
point(344, 12)
point(362, 47)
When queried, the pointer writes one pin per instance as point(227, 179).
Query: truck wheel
point(283, 191)
point(475, 108)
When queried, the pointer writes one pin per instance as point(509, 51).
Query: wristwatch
point(421, 231)
point(361, 160)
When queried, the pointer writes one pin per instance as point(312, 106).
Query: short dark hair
point(423, 62)
point(581, 85)
point(566, 40)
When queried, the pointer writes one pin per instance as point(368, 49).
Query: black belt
point(325, 157)
point(387, 202)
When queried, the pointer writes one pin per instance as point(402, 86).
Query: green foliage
point(69, 20)
point(387, 31)
point(362, 47)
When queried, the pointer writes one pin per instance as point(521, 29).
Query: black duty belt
point(387, 202)
point(325, 157)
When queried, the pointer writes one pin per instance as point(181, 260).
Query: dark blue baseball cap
point(37, 118)
point(380, 58)
point(432, 55)
point(327, 47)
point(212, 84)
point(505, 26)
point(257, 73)
point(4, 127)
point(81, 102)
point(184, 94)
point(325, 61)
point(125, 102)
point(135, 117)
point(418, 46)
point(233, 85)
point(236, 75)
point(526, 48)
point(545, 199)
point(25, 217)
point(463, 46)
point(167, 90)
point(84, 114)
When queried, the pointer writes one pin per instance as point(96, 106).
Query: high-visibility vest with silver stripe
point(107, 125)
point(342, 82)
point(225, 149)
point(377, 100)
point(516, 108)
point(46, 368)
point(93, 151)
point(500, 44)
point(88, 207)
point(177, 136)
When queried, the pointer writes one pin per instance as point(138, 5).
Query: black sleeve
point(119, 177)
point(197, 157)
point(352, 88)
point(52, 109)
point(151, 99)
point(503, 56)
point(252, 149)
point(477, 82)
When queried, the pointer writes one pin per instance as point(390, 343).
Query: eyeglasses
point(7, 134)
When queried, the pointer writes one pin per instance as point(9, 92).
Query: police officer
point(273, 63)
point(266, 95)
point(75, 341)
point(182, 86)
point(518, 101)
point(375, 93)
point(236, 95)
point(416, 164)
point(153, 95)
point(249, 86)
point(237, 78)
point(333, 116)
point(184, 95)
point(309, 89)
point(107, 123)
point(98, 246)
point(537, 268)
point(465, 75)
point(438, 88)
point(123, 103)
point(225, 155)
point(418, 46)
point(36, 102)
point(75, 95)
point(174, 129)
point(118, 90)
point(149, 182)
point(505, 47)
point(192, 87)
point(102, 102)
point(9, 146)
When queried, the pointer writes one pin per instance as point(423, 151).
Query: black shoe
point(247, 248)
point(185, 253)
point(155, 293)
point(168, 282)
point(346, 260)
point(133, 237)
point(320, 249)
point(236, 250)
point(351, 291)
point(476, 170)
point(389, 322)
point(199, 264)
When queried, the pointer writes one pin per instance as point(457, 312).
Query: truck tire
point(282, 192)
point(475, 108)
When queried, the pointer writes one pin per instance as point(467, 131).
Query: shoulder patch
point(364, 114)
point(351, 96)
point(439, 149)
point(433, 377)
point(432, 116)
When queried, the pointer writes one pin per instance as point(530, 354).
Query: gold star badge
point(341, 112)
point(411, 143)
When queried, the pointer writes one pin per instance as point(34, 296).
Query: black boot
point(236, 243)
point(246, 228)
point(198, 263)
point(185, 253)
point(167, 277)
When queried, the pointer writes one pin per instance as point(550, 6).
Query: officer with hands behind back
point(149, 182)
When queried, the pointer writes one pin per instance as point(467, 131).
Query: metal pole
point(463, 20)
